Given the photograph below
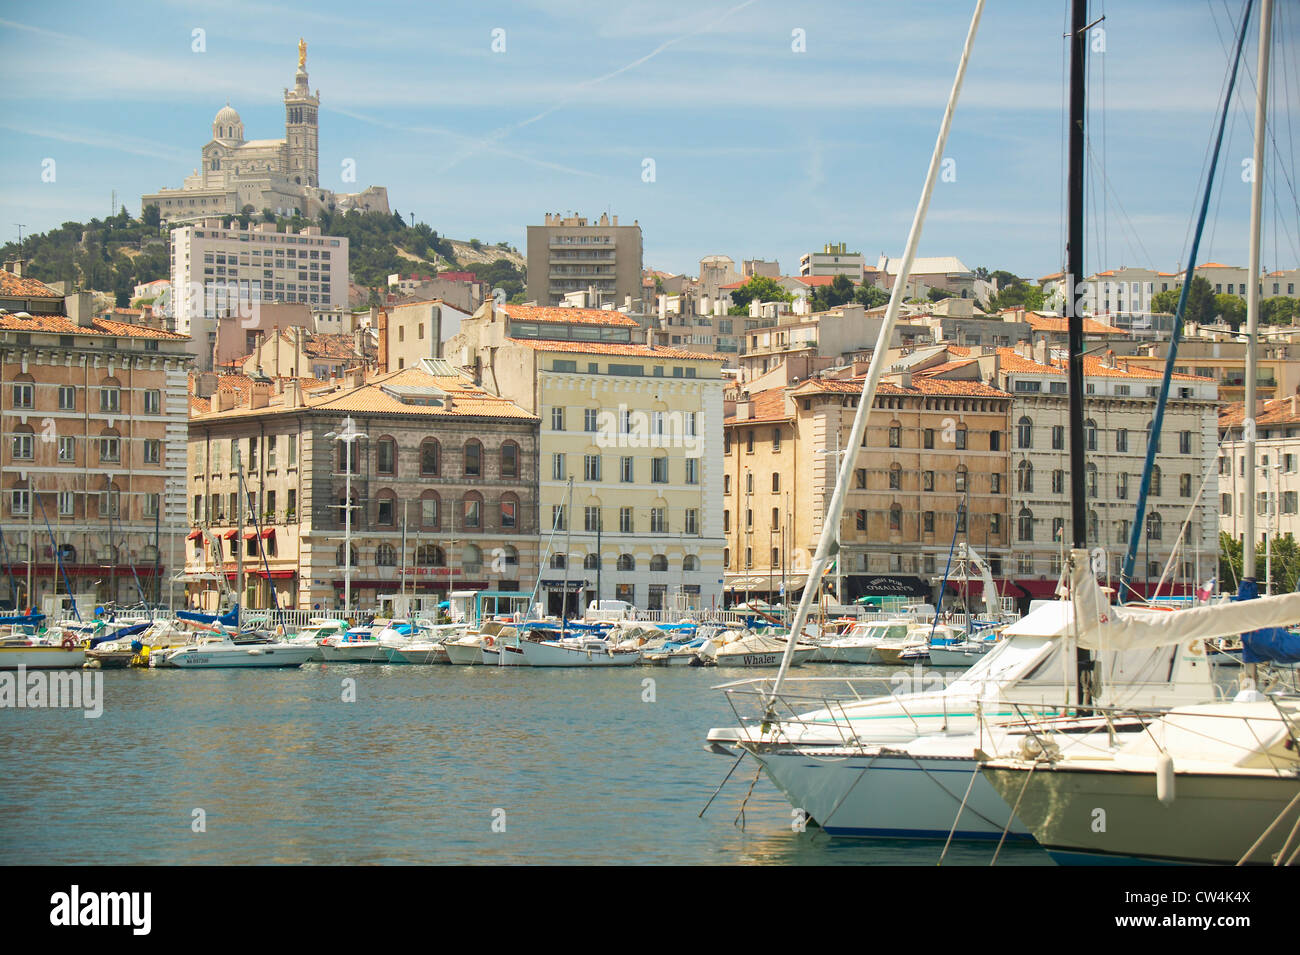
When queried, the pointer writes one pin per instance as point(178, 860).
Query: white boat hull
point(41, 658)
point(550, 654)
point(369, 651)
point(224, 656)
point(422, 655)
point(493, 657)
point(850, 654)
point(464, 654)
point(762, 658)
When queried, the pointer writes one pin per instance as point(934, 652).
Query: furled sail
point(1101, 626)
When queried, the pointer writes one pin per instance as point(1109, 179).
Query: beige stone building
point(411, 331)
point(1277, 470)
point(92, 413)
point(444, 489)
point(636, 427)
point(931, 447)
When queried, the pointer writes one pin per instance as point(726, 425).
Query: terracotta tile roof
point(1277, 411)
point(14, 287)
point(613, 348)
point(1055, 323)
point(571, 316)
point(1216, 265)
point(1093, 367)
point(959, 350)
point(814, 279)
point(467, 400)
point(948, 366)
point(921, 385)
point(62, 325)
point(1053, 277)
point(766, 405)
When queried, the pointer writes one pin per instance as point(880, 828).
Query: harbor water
point(378, 764)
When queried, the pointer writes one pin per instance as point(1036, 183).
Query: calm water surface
point(414, 771)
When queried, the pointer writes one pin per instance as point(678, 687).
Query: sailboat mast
point(1074, 276)
point(1252, 294)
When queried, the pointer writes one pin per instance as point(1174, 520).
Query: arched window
point(690, 562)
point(895, 477)
point(558, 562)
point(1094, 528)
point(110, 500)
point(430, 555)
point(510, 557)
point(1090, 434)
point(509, 512)
point(626, 562)
point(473, 458)
point(338, 556)
point(776, 482)
point(1025, 433)
point(658, 564)
point(1154, 526)
point(959, 482)
point(895, 517)
point(430, 458)
point(471, 559)
point(67, 553)
point(591, 562)
point(509, 460)
point(430, 510)
point(385, 555)
point(1025, 525)
point(386, 508)
point(726, 557)
point(472, 510)
point(1024, 477)
point(386, 456)
point(1090, 472)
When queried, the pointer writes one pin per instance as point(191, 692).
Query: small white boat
point(23, 647)
point(220, 652)
point(356, 645)
point(316, 631)
point(759, 650)
point(585, 651)
point(859, 644)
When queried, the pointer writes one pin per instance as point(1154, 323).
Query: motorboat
point(354, 645)
point(23, 645)
point(738, 649)
point(217, 650)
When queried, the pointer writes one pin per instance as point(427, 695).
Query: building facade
point(566, 254)
point(1277, 470)
point(222, 275)
point(636, 428)
point(443, 490)
point(92, 413)
point(834, 259)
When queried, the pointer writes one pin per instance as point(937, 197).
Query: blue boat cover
point(228, 619)
point(1270, 645)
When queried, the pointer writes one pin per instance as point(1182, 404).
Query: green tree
point(1284, 562)
point(1279, 310)
point(759, 287)
point(834, 295)
point(1201, 305)
point(1230, 309)
point(871, 296)
point(151, 215)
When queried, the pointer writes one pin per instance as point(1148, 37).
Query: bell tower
point(301, 132)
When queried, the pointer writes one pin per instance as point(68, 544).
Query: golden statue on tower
point(302, 53)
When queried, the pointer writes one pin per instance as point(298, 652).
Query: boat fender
point(489, 641)
point(69, 642)
point(1165, 779)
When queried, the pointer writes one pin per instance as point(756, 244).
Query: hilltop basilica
point(276, 174)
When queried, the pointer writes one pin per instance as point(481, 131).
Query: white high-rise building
point(226, 274)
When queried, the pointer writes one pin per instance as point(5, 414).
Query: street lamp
point(347, 434)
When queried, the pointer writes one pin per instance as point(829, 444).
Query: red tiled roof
point(1093, 367)
point(62, 325)
point(1054, 323)
point(1276, 412)
point(13, 286)
point(613, 348)
point(571, 316)
point(921, 384)
point(766, 405)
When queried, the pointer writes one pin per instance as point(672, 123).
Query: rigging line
point(1111, 191)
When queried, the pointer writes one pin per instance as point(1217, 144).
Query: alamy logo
point(102, 908)
point(53, 689)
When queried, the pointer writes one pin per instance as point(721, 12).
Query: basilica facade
point(281, 175)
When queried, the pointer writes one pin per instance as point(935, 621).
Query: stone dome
point(227, 125)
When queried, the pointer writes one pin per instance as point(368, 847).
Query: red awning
point(194, 535)
point(275, 574)
point(250, 535)
point(268, 532)
point(230, 534)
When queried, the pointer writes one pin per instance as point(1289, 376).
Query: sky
point(750, 128)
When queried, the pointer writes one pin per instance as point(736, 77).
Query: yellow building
point(636, 427)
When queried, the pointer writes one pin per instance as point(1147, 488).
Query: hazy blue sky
point(759, 151)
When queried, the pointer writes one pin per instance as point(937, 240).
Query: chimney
point(78, 307)
point(1040, 351)
point(380, 321)
point(17, 268)
point(205, 385)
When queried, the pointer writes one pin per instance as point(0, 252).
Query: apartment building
point(224, 275)
point(566, 254)
point(834, 259)
point(1277, 469)
point(443, 489)
point(92, 413)
point(636, 428)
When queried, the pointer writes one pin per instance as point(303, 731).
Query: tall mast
point(1073, 277)
point(241, 501)
point(1252, 295)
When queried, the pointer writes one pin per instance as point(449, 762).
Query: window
point(895, 517)
point(626, 470)
point(152, 451)
point(1154, 526)
point(271, 457)
point(1024, 478)
point(591, 518)
point(473, 459)
point(961, 439)
point(1058, 481)
point(591, 467)
point(110, 449)
point(927, 480)
point(429, 511)
point(67, 398)
point(23, 392)
point(626, 562)
point(659, 470)
point(384, 517)
point(625, 524)
point(995, 483)
point(862, 520)
point(152, 402)
point(1155, 482)
point(385, 456)
point(690, 562)
point(68, 503)
point(895, 477)
point(509, 513)
point(110, 501)
point(692, 521)
point(385, 555)
point(557, 517)
point(591, 562)
point(589, 416)
point(1025, 525)
point(558, 470)
point(557, 419)
point(995, 440)
point(860, 478)
point(1121, 485)
point(20, 501)
point(1090, 433)
point(658, 520)
point(928, 438)
point(110, 400)
point(22, 447)
point(995, 525)
point(1025, 433)
point(1184, 442)
point(293, 451)
point(1058, 437)
point(1184, 485)
point(959, 481)
point(658, 564)
point(895, 436)
point(692, 470)
point(1092, 478)
point(776, 440)
point(1121, 440)
point(291, 506)
point(927, 522)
